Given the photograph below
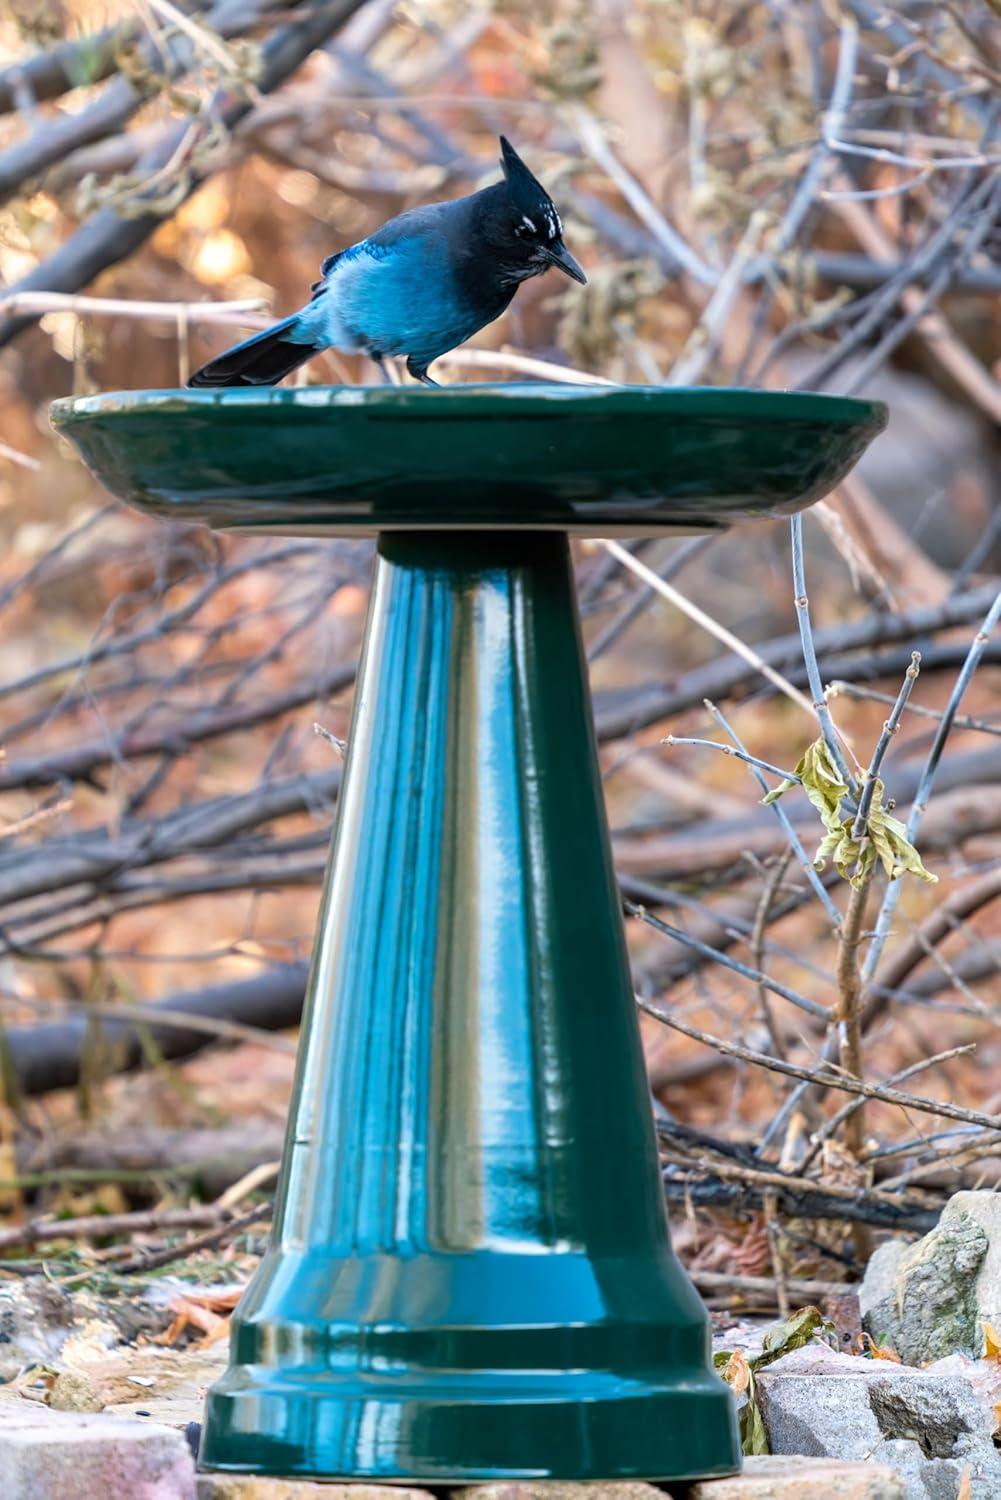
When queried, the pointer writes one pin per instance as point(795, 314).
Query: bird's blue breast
point(399, 298)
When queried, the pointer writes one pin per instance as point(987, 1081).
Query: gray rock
point(879, 1284)
point(931, 1429)
point(924, 1478)
point(932, 1298)
point(36, 1319)
point(984, 1376)
point(790, 1478)
point(748, 1336)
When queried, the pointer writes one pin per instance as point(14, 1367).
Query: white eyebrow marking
point(528, 223)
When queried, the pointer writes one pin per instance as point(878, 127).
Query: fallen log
point(48, 1057)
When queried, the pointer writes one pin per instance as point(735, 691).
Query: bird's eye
point(525, 229)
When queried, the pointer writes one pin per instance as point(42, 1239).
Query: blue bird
point(422, 284)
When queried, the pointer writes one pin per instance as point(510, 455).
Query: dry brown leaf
point(737, 1372)
point(879, 1351)
point(216, 1298)
point(201, 1308)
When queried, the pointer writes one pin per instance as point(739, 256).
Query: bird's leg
point(384, 374)
point(420, 373)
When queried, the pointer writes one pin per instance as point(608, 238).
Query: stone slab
point(788, 1478)
point(54, 1455)
point(558, 1489)
point(261, 1487)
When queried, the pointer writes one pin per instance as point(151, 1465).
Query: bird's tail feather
point(263, 359)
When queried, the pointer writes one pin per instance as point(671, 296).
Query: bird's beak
point(560, 256)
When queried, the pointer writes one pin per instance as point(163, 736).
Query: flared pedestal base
point(470, 1275)
point(488, 1365)
point(307, 1423)
point(494, 1365)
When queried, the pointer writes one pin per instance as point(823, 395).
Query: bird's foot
point(419, 372)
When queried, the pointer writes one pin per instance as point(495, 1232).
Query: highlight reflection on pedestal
point(470, 1274)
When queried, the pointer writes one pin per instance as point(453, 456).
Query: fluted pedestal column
point(470, 1273)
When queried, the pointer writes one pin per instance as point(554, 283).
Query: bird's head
point(526, 231)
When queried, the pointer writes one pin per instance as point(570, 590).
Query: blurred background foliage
point(783, 193)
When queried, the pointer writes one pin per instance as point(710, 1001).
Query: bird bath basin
point(588, 460)
point(470, 1274)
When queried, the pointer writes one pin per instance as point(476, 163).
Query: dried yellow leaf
point(884, 837)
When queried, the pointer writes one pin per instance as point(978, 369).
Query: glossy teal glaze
point(470, 1274)
point(592, 460)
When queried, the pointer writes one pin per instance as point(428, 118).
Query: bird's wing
point(410, 225)
point(439, 221)
point(413, 224)
point(450, 222)
point(326, 266)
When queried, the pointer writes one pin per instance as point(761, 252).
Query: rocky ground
point(104, 1397)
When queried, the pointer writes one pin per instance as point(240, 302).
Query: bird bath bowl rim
point(795, 405)
point(592, 460)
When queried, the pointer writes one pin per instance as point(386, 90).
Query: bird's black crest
point(529, 195)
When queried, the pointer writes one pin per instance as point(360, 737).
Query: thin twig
point(831, 1126)
point(104, 1226)
point(18, 303)
point(152, 1260)
point(507, 359)
point(204, 41)
point(776, 1250)
point(820, 705)
point(217, 1027)
point(824, 1076)
point(597, 147)
point(859, 563)
point(805, 862)
point(680, 601)
point(704, 339)
point(15, 456)
point(839, 688)
point(678, 559)
point(822, 1012)
point(849, 1017)
point(765, 1287)
point(757, 947)
point(920, 803)
point(749, 760)
point(883, 744)
point(830, 129)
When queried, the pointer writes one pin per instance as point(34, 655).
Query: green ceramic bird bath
point(470, 1275)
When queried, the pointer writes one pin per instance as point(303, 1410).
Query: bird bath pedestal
point(469, 1274)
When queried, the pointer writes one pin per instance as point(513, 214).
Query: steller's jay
point(420, 285)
